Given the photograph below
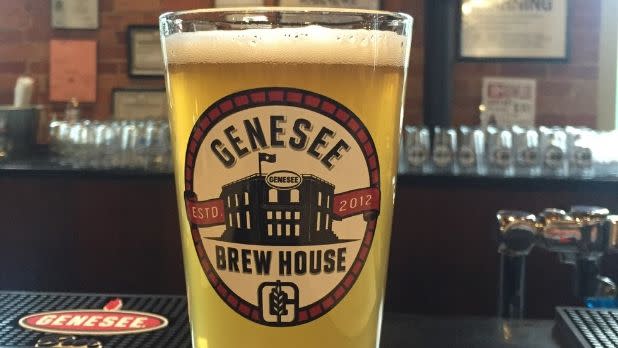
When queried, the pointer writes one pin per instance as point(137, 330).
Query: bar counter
point(85, 230)
point(398, 330)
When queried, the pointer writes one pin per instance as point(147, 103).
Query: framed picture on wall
point(139, 104)
point(73, 70)
point(300, 17)
point(360, 4)
point(513, 30)
point(145, 58)
point(238, 3)
point(75, 14)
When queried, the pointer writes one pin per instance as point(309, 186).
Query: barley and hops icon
point(278, 301)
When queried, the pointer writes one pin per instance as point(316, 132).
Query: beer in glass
point(285, 129)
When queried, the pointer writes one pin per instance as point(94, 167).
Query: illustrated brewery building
point(256, 213)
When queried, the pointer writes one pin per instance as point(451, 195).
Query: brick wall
point(414, 94)
point(25, 32)
point(567, 92)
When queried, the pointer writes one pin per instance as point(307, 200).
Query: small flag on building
point(265, 157)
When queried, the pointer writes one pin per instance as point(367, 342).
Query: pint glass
point(285, 125)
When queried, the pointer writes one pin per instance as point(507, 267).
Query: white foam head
point(311, 44)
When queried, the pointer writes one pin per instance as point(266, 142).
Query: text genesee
point(321, 145)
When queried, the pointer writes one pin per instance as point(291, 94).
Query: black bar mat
point(15, 305)
point(579, 327)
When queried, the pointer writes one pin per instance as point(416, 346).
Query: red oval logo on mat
point(93, 322)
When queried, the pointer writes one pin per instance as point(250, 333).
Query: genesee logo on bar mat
point(28, 319)
point(110, 320)
point(284, 227)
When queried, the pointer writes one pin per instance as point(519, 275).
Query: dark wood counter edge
point(515, 183)
point(43, 168)
point(40, 163)
point(395, 316)
point(118, 295)
point(69, 172)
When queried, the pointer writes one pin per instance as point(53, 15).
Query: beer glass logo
point(553, 157)
point(501, 157)
point(467, 156)
point(417, 155)
point(282, 195)
point(279, 301)
point(528, 157)
point(442, 156)
point(582, 157)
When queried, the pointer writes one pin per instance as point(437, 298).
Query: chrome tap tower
point(579, 237)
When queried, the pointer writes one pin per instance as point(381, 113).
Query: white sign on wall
point(75, 14)
point(238, 3)
point(513, 29)
point(360, 4)
point(508, 102)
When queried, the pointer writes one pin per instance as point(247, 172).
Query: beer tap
point(606, 295)
point(591, 247)
point(556, 234)
point(580, 238)
point(516, 237)
point(610, 228)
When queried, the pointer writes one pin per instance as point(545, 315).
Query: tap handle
point(611, 230)
point(516, 232)
point(579, 232)
point(606, 287)
point(558, 231)
point(588, 213)
point(512, 286)
point(516, 236)
point(586, 279)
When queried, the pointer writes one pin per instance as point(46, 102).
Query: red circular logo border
point(289, 97)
